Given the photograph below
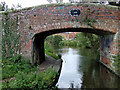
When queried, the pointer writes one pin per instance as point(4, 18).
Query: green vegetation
point(50, 42)
point(10, 38)
point(26, 75)
point(36, 80)
point(48, 47)
point(49, 50)
point(72, 43)
point(54, 40)
point(85, 40)
point(53, 55)
point(15, 64)
point(2, 6)
point(117, 62)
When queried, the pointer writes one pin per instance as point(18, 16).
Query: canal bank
point(110, 69)
point(55, 64)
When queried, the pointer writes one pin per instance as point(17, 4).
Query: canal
point(81, 69)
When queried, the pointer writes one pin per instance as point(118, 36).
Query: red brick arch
point(38, 22)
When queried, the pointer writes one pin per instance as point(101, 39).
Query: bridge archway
point(38, 42)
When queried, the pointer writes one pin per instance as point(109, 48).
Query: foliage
point(54, 40)
point(114, 3)
point(57, 1)
point(117, 62)
point(48, 47)
point(51, 41)
point(26, 75)
point(87, 40)
point(68, 43)
point(4, 85)
point(53, 55)
point(36, 80)
point(13, 65)
point(50, 1)
point(10, 38)
point(3, 6)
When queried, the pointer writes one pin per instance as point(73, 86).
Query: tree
point(54, 40)
point(87, 40)
point(3, 6)
point(57, 1)
point(50, 1)
point(57, 39)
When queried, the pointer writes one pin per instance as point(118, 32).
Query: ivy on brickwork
point(117, 62)
point(10, 38)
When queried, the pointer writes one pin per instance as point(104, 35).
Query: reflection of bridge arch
point(38, 22)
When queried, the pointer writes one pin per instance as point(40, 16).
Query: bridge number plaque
point(75, 12)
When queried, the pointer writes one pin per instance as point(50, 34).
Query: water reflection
point(69, 69)
point(81, 70)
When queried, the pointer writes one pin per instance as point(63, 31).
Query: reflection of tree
point(91, 53)
point(96, 76)
point(91, 77)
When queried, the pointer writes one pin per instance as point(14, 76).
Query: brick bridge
point(36, 23)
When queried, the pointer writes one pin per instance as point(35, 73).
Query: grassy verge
point(53, 55)
point(34, 80)
point(13, 65)
point(26, 75)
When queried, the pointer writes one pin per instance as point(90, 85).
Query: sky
point(26, 3)
point(29, 3)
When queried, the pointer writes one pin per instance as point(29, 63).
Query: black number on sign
point(75, 12)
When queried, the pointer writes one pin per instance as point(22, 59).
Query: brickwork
point(108, 48)
point(43, 20)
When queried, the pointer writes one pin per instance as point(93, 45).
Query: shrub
point(12, 65)
point(34, 80)
point(117, 62)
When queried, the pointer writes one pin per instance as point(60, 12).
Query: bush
point(12, 65)
point(34, 80)
point(117, 62)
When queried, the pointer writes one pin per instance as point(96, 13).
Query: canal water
point(81, 69)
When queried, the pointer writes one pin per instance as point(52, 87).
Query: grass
point(13, 65)
point(40, 80)
point(26, 75)
point(53, 55)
